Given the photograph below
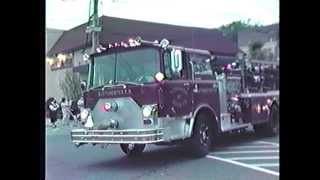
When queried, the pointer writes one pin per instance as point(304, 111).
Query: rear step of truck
point(228, 125)
point(235, 126)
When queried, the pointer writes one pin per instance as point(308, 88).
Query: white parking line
point(247, 147)
point(244, 165)
point(242, 152)
point(254, 158)
point(266, 165)
point(270, 143)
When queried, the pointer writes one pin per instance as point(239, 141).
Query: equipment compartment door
point(255, 108)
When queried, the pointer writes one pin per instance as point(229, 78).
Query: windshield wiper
point(103, 86)
point(98, 87)
point(129, 82)
point(118, 83)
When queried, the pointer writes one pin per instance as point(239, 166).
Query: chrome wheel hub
point(204, 135)
point(130, 147)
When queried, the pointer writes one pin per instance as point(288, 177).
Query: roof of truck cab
point(118, 29)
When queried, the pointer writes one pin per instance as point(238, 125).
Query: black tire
point(136, 150)
point(201, 139)
point(271, 128)
point(259, 129)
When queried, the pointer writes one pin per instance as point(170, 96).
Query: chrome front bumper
point(135, 136)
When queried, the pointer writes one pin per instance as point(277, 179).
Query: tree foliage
point(231, 29)
point(255, 50)
point(71, 86)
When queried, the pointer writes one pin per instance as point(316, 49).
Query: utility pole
point(94, 26)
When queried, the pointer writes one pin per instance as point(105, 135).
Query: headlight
point(148, 110)
point(84, 114)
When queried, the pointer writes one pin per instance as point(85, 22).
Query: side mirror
point(176, 60)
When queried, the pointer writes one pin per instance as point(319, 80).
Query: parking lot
point(257, 155)
point(237, 156)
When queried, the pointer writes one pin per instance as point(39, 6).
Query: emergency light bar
point(164, 43)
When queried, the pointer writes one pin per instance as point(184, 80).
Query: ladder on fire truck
point(260, 62)
point(225, 117)
point(228, 123)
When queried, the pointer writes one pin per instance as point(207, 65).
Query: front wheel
point(202, 137)
point(132, 149)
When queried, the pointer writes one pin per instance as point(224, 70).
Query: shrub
point(71, 86)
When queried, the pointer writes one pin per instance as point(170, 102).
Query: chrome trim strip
point(118, 142)
point(116, 130)
point(269, 93)
point(137, 136)
point(110, 135)
point(233, 78)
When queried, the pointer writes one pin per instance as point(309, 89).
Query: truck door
point(177, 90)
point(205, 88)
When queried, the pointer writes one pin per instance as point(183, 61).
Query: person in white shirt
point(65, 110)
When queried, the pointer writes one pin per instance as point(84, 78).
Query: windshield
point(135, 66)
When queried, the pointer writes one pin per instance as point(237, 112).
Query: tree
point(71, 86)
point(230, 30)
point(255, 50)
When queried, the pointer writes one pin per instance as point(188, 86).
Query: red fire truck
point(148, 92)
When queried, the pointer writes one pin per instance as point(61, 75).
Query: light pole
point(94, 26)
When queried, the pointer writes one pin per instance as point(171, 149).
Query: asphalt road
point(237, 157)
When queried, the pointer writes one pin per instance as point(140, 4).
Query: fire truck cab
point(141, 92)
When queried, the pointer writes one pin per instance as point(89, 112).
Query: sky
point(66, 14)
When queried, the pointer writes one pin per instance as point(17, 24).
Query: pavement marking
point(245, 147)
point(254, 158)
point(242, 152)
point(266, 165)
point(244, 165)
point(270, 143)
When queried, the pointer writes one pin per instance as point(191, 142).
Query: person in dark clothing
point(59, 112)
point(75, 110)
point(53, 107)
